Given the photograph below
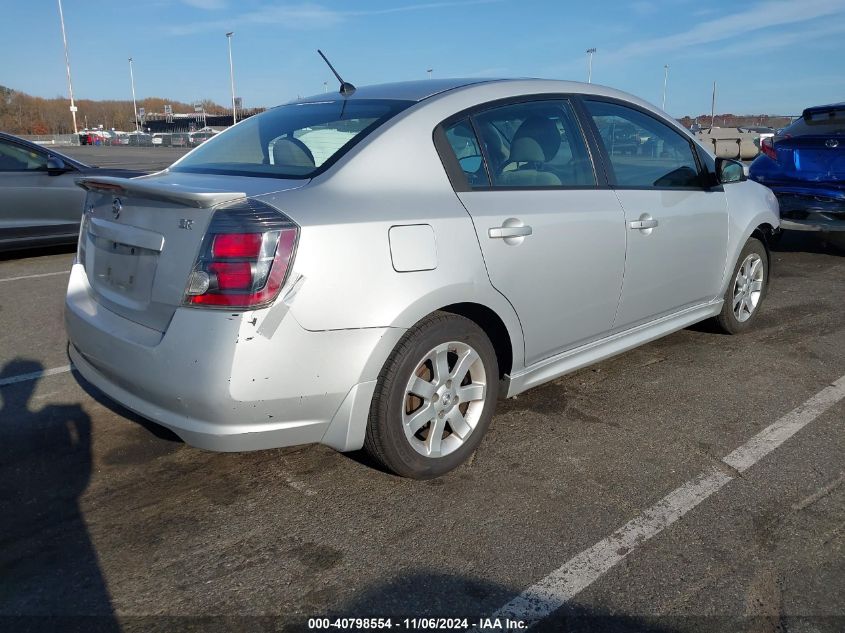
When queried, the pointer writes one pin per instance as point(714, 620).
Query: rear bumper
point(231, 382)
point(812, 224)
point(811, 209)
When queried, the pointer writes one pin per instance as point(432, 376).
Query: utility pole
point(232, 77)
point(713, 107)
point(590, 52)
point(134, 103)
point(67, 65)
point(665, 82)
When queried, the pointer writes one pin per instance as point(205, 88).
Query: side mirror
point(56, 166)
point(728, 171)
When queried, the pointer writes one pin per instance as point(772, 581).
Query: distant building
point(193, 122)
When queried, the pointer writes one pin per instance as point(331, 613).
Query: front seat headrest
point(526, 150)
point(536, 141)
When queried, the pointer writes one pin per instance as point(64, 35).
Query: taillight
point(244, 258)
point(767, 146)
point(83, 238)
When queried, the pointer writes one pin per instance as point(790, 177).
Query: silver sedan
point(376, 268)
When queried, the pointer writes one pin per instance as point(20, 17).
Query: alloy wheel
point(444, 399)
point(748, 287)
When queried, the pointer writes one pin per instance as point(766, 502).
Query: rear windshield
point(821, 121)
point(297, 140)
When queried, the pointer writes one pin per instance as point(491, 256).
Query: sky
point(767, 56)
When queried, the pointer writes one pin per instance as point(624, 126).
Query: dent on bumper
point(812, 225)
point(220, 384)
point(811, 210)
point(209, 435)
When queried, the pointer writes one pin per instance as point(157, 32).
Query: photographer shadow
point(50, 578)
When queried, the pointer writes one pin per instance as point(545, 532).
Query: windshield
point(297, 140)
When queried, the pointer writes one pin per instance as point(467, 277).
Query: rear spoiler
point(144, 188)
point(822, 112)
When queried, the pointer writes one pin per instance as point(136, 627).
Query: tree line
point(21, 113)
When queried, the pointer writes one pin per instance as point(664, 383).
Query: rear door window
point(535, 144)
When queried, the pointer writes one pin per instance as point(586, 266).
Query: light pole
point(429, 71)
point(325, 86)
point(134, 103)
point(590, 52)
point(67, 65)
point(713, 107)
point(665, 82)
point(232, 77)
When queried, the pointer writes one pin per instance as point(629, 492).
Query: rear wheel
point(747, 290)
point(435, 398)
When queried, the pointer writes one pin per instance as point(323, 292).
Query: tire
point(754, 259)
point(417, 365)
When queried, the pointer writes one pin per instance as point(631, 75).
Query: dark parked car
point(180, 140)
point(140, 139)
point(804, 164)
point(39, 201)
point(87, 138)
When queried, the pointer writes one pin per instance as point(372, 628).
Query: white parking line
point(564, 583)
point(60, 272)
point(11, 380)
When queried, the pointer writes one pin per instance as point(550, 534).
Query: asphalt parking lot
point(104, 514)
point(126, 157)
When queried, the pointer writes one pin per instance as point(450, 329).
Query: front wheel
point(747, 290)
point(434, 399)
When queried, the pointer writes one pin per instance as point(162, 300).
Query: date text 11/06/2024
point(418, 624)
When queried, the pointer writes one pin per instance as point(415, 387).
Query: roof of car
point(425, 88)
point(402, 90)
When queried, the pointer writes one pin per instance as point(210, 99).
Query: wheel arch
point(764, 232)
point(494, 327)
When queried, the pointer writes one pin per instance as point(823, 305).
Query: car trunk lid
point(141, 237)
point(815, 158)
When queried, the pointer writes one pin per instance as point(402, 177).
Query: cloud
point(735, 26)
point(811, 35)
point(643, 7)
point(208, 5)
point(308, 16)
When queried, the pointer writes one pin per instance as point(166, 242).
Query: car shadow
point(40, 251)
point(809, 242)
point(363, 458)
point(50, 578)
point(161, 432)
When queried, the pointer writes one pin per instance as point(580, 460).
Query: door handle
point(645, 223)
point(500, 232)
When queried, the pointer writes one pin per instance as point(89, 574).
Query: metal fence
point(53, 139)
